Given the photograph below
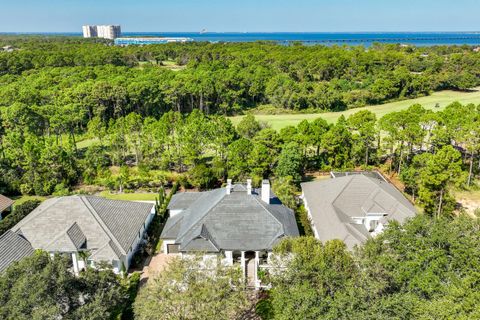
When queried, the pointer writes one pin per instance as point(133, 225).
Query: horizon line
point(250, 32)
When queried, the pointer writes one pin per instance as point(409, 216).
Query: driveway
point(156, 264)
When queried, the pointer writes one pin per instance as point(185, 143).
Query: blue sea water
point(366, 39)
point(418, 39)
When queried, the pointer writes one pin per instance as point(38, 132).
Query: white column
point(269, 256)
point(75, 264)
point(257, 265)
point(242, 262)
point(229, 257)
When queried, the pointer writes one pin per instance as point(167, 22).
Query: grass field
point(22, 199)
point(277, 122)
point(443, 98)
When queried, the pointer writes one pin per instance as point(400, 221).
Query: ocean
point(366, 39)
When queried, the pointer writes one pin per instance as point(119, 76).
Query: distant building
point(104, 31)
point(147, 41)
point(89, 31)
point(7, 49)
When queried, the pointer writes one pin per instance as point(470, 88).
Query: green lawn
point(443, 98)
point(86, 143)
point(21, 199)
point(129, 196)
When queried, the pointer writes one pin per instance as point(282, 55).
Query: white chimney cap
point(229, 186)
point(266, 191)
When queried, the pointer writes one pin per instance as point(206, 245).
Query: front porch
point(250, 262)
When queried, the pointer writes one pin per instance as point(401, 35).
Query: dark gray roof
point(333, 203)
point(172, 227)
point(238, 221)
point(183, 200)
point(73, 223)
point(76, 235)
point(5, 203)
point(201, 240)
point(13, 247)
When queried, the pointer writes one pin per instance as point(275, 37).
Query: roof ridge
point(193, 223)
point(397, 201)
point(102, 223)
point(262, 204)
point(208, 235)
point(343, 188)
point(60, 234)
point(31, 215)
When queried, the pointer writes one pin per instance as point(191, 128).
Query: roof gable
point(124, 219)
point(85, 223)
point(333, 203)
point(238, 221)
point(71, 240)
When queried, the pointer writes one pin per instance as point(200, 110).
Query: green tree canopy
point(185, 290)
point(40, 287)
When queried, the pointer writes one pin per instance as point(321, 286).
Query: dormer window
point(358, 220)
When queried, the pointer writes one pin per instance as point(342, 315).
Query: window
point(173, 248)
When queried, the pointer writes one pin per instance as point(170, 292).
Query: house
point(5, 206)
point(353, 207)
point(238, 223)
point(88, 230)
point(7, 49)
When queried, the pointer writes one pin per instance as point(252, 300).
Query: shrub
point(19, 212)
point(202, 177)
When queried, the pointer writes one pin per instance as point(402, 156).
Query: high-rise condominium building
point(105, 31)
point(89, 31)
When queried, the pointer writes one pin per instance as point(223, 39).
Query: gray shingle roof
point(13, 247)
point(333, 203)
point(69, 241)
point(5, 203)
point(183, 200)
point(76, 235)
point(68, 224)
point(239, 221)
point(124, 219)
point(201, 240)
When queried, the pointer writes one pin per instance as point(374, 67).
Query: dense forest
point(82, 116)
point(108, 81)
point(143, 125)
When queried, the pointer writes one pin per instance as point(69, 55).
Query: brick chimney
point(266, 191)
point(249, 186)
point(229, 186)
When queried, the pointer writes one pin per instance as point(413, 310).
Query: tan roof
point(334, 203)
point(5, 203)
point(68, 224)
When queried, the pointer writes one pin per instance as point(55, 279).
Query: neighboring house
point(5, 206)
point(88, 230)
point(237, 223)
point(353, 206)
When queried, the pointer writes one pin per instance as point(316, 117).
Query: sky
point(241, 15)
